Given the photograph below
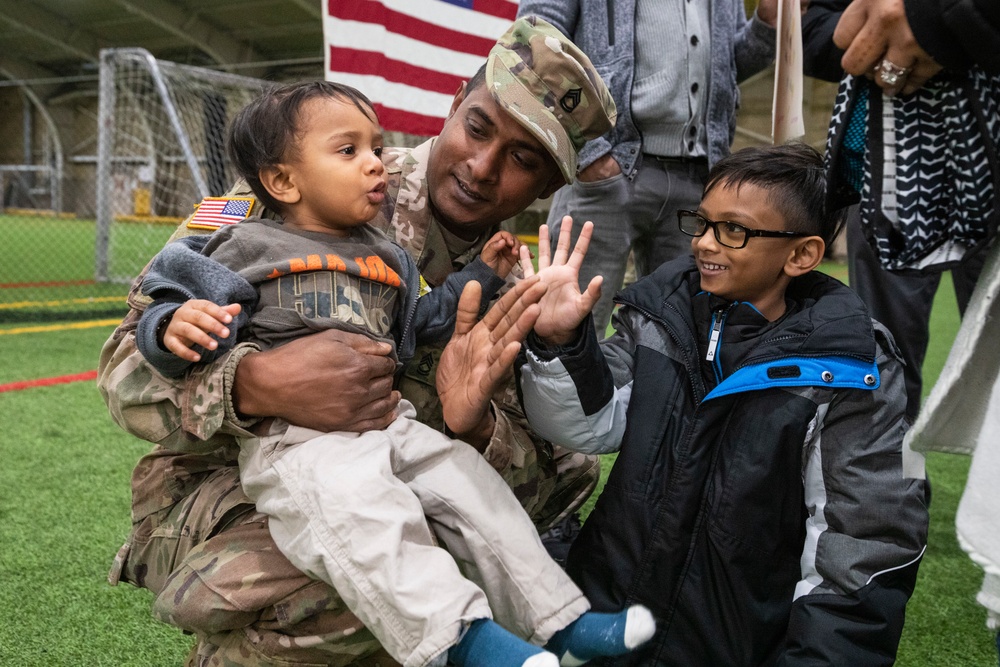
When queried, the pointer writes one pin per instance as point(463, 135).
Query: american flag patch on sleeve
point(215, 212)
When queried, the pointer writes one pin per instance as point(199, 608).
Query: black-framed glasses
point(729, 234)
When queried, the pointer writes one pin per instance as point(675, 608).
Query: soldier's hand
point(329, 381)
point(480, 355)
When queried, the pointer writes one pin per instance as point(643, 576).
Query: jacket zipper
point(713, 339)
point(698, 394)
point(408, 323)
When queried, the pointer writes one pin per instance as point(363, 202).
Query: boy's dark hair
point(263, 132)
point(795, 181)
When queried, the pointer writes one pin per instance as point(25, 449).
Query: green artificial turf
point(47, 354)
point(64, 511)
point(45, 249)
point(48, 267)
point(41, 249)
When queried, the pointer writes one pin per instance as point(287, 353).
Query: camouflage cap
point(548, 85)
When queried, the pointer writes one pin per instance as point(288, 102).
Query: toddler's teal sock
point(486, 644)
point(596, 635)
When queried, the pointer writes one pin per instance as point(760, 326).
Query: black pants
point(902, 302)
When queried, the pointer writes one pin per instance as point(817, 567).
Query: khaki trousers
point(358, 510)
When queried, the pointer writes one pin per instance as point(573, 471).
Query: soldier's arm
point(213, 402)
point(183, 414)
point(550, 482)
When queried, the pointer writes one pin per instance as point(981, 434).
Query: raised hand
point(501, 253)
point(564, 306)
point(480, 355)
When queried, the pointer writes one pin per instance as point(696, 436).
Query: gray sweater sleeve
point(179, 273)
point(754, 47)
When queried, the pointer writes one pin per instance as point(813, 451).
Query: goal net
point(161, 149)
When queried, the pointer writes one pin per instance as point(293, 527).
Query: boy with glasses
point(762, 504)
point(728, 233)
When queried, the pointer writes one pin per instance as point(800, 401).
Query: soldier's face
point(485, 167)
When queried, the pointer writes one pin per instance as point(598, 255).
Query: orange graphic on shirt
point(372, 268)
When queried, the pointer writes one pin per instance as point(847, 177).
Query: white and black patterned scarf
point(925, 165)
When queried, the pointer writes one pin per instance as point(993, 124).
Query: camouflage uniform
point(180, 500)
point(198, 542)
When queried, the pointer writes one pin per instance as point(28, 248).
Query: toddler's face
point(336, 167)
point(754, 273)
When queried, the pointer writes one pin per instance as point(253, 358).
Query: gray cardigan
point(605, 30)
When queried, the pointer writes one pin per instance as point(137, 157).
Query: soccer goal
point(161, 130)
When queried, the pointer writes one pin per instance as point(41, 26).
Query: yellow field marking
point(62, 327)
point(37, 213)
point(61, 302)
point(150, 219)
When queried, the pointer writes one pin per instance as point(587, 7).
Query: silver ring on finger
point(890, 73)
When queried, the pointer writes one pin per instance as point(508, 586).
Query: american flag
point(410, 56)
point(214, 212)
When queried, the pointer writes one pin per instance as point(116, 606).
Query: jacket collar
point(825, 318)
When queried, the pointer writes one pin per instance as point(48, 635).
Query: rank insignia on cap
point(570, 100)
point(215, 212)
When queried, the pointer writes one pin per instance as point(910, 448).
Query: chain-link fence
point(76, 226)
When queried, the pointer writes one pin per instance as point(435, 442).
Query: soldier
point(197, 541)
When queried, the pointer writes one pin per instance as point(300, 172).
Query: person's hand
point(480, 355)
point(193, 323)
point(878, 43)
point(563, 307)
point(600, 169)
point(767, 11)
point(501, 253)
point(328, 381)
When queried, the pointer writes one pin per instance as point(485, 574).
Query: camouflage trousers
point(218, 574)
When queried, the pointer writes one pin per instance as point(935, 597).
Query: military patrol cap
point(549, 86)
